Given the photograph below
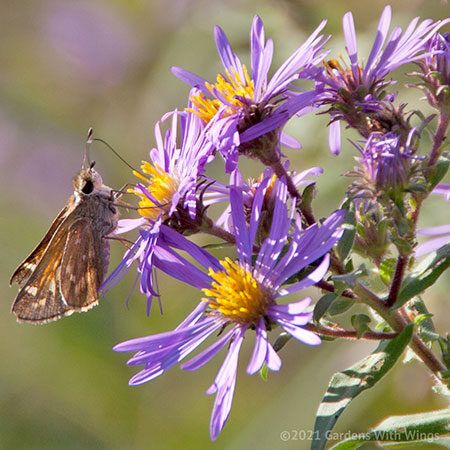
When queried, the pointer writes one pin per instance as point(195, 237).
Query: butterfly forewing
point(23, 272)
point(40, 298)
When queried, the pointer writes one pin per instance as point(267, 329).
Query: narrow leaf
point(323, 304)
point(345, 244)
point(425, 275)
point(411, 431)
point(345, 386)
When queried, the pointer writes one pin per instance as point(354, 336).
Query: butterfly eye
point(88, 187)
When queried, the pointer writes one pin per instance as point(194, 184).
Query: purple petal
point(289, 141)
point(176, 240)
point(224, 385)
point(276, 120)
point(383, 28)
point(435, 231)
point(206, 355)
point(334, 137)
point(126, 225)
point(443, 189)
point(431, 245)
point(255, 215)
point(273, 361)
point(350, 40)
point(244, 246)
point(314, 277)
point(190, 78)
point(178, 267)
point(305, 336)
point(260, 350)
point(274, 243)
point(293, 308)
point(229, 59)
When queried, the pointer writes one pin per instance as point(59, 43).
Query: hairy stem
point(400, 268)
point(281, 172)
point(398, 322)
point(439, 138)
point(338, 332)
point(214, 230)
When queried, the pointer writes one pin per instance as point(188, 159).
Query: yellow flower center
point(236, 294)
point(160, 185)
point(231, 87)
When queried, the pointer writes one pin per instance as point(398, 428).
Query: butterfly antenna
point(86, 157)
point(117, 154)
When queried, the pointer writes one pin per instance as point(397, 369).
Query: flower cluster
point(277, 247)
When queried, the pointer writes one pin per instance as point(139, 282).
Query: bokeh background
point(68, 65)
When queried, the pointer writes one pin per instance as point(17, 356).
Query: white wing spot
point(32, 290)
point(52, 286)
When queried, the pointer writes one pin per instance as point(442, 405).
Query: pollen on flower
point(161, 187)
point(236, 294)
point(229, 90)
point(339, 72)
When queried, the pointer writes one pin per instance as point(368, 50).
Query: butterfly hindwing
point(82, 268)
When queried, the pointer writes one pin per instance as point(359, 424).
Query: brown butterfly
point(64, 272)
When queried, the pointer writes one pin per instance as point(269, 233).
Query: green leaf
point(340, 305)
point(387, 268)
point(323, 304)
point(264, 372)
point(439, 170)
point(409, 431)
point(345, 386)
point(345, 244)
point(360, 323)
point(349, 279)
point(281, 341)
point(425, 275)
point(423, 320)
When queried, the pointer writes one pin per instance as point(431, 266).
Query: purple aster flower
point(436, 72)
point(219, 193)
point(356, 93)
point(251, 108)
point(240, 296)
point(167, 191)
point(385, 165)
point(440, 235)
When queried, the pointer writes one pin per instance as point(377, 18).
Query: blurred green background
point(69, 65)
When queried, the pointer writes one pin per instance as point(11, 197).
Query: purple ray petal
point(260, 350)
point(334, 137)
point(273, 361)
point(206, 355)
point(244, 246)
point(431, 245)
point(224, 387)
point(348, 26)
point(314, 277)
point(229, 59)
point(190, 78)
point(305, 336)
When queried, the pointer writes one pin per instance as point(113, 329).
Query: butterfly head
point(87, 181)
